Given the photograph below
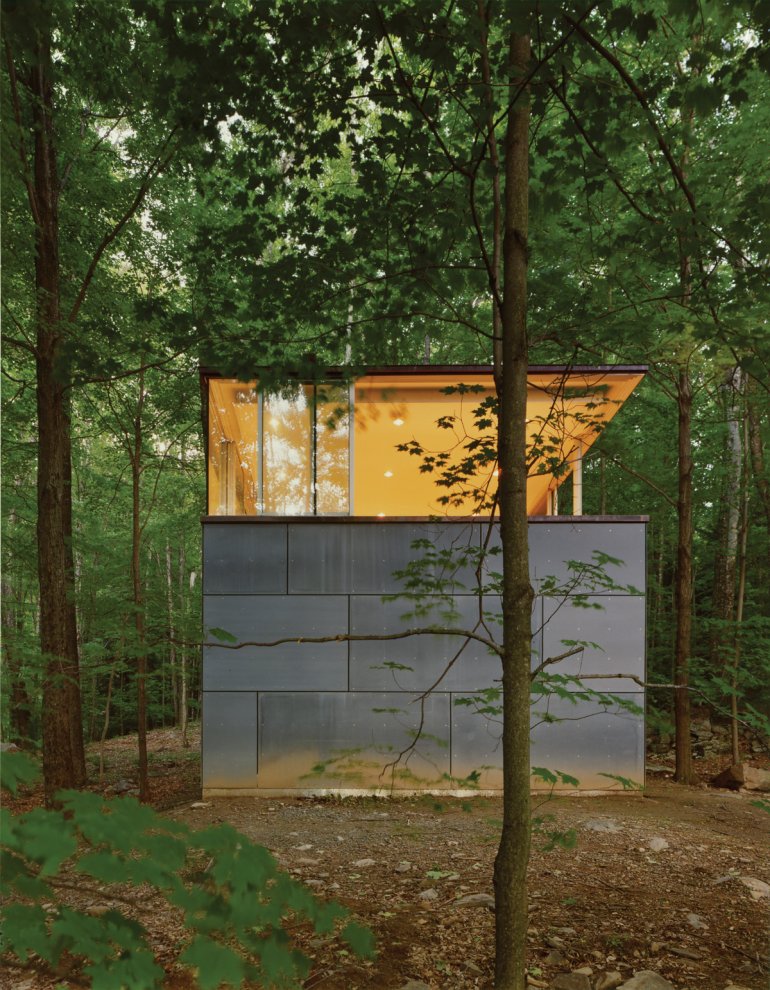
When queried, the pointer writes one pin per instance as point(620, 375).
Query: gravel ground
point(653, 882)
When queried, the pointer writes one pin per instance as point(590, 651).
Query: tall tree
point(63, 752)
point(92, 125)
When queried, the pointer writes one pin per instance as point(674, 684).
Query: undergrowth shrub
point(233, 898)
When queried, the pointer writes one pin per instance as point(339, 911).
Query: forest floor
point(619, 900)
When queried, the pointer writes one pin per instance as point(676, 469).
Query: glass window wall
point(285, 453)
point(299, 451)
point(232, 448)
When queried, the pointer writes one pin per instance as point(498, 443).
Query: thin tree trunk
point(510, 873)
point(735, 744)
point(12, 625)
point(20, 714)
point(106, 722)
point(494, 158)
point(183, 673)
point(723, 597)
point(683, 769)
point(63, 749)
point(656, 592)
point(683, 772)
point(757, 455)
point(172, 653)
point(121, 719)
point(138, 595)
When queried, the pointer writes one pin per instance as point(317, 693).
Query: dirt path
point(615, 900)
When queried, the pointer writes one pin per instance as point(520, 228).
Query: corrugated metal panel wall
point(336, 715)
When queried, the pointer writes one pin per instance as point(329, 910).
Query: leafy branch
point(237, 910)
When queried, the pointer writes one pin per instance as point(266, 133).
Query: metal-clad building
point(295, 555)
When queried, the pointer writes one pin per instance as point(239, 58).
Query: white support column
point(553, 500)
point(577, 482)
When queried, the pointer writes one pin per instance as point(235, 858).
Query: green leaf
point(15, 769)
point(47, 838)
point(542, 773)
point(25, 930)
point(360, 939)
point(214, 963)
point(131, 969)
point(222, 634)
point(625, 782)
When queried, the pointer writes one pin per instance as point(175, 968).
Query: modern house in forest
point(352, 512)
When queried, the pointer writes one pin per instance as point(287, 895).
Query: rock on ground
point(476, 900)
point(571, 981)
point(602, 825)
point(758, 888)
point(646, 979)
point(743, 775)
point(608, 981)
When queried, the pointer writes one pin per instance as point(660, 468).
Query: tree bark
point(510, 873)
point(138, 594)
point(183, 673)
point(20, 714)
point(757, 454)
point(735, 743)
point(172, 655)
point(723, 596)
point(63, 750)
point(683, 772)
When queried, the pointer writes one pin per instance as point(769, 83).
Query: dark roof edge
point(474, 369)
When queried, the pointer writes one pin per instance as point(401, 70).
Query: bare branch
point(641, 477)
point(653, 686)
point(349, 638)
point(22, 344)
point(630, 82)
point(549, 661)
point(127, 374)
point(22, 147)
point(155, 168)
point(597, 152)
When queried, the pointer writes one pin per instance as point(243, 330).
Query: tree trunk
point(172, 654)
point(138, 595)
point(723, 597)
point(63, 751)
point(20, 714)
point(735, 745)
point(757, 455)
point(106, 721)
point(183, 673)
point(510, 873)
point(683, 772)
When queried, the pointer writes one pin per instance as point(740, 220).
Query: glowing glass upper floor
point(413, 441)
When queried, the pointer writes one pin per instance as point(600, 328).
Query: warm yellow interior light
point(309, 461)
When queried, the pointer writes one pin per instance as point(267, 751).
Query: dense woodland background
point(301, 184)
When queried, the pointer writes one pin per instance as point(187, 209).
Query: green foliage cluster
point(318, 186)
point(233, 898)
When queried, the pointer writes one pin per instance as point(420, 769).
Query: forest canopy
point(294, 185)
